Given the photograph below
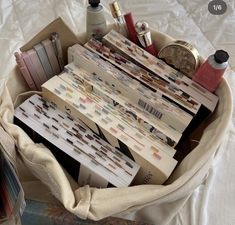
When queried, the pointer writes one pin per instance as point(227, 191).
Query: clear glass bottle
point(118, 17)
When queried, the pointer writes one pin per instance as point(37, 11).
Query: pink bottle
point(211, 71)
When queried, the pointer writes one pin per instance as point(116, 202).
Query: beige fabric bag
point(38, 166)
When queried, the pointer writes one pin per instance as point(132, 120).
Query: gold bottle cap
point(115, 9)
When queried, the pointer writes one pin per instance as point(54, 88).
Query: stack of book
point(41, 62)
point(133, 108)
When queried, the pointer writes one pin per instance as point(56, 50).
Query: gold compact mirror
point(182, 56)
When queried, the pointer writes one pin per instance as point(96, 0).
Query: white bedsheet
point(212, 202)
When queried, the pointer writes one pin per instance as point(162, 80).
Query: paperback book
point(98, 162)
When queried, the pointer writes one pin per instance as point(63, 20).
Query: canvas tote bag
point(41, 173)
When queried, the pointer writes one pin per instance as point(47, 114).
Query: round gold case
point(181, 55)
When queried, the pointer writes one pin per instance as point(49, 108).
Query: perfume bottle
point(118, 17)
point(95, 20)
point(210, 73)
point(144, 36)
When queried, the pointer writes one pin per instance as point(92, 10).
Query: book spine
point(146, 155)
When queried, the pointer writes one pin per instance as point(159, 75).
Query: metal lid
point(221, 56)
point(115, 9)
point(94, 3)
point(182, 55)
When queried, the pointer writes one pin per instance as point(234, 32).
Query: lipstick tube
point(131, 28)
point(144, 37)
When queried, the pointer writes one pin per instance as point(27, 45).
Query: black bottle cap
point(221, 56)
point(94, 3)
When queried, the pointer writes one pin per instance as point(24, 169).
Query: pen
point(58, 49)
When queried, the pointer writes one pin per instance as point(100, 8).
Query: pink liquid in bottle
point(210, 73)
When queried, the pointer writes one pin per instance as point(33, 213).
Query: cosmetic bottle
point(144, 36)
point(131, 28)
point(95, 20)
point(118, 17)
point(211, 71)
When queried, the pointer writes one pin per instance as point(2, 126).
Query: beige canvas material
point(96, 203)
point(7, 143)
